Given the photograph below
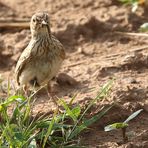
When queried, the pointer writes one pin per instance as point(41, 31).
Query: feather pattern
point(41, 59)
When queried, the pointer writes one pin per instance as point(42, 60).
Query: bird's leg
point(25, 90)
point(51, 95)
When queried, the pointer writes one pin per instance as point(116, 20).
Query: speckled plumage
point(42, 58)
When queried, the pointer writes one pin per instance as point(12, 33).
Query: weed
point(133, 3)
point(122, 125)
point(21, 130)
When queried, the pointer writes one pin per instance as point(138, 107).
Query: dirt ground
point(95, 54)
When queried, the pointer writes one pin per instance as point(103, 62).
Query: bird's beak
point(47, 25)
point(44, 23)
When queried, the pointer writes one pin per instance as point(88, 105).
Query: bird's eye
point(33, 20)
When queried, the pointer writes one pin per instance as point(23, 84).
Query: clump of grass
point(21, 130)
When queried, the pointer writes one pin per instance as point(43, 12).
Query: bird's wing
point(60, 47)
point(24, 58)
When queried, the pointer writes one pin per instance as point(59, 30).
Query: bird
point(41, 60)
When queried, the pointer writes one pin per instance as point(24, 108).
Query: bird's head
point(40, 23)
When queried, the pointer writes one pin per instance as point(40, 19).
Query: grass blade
point(115, 126)
point(132, 116)
point(101, 94)
point(89, 122)
point(49, 130)
point(68, 110)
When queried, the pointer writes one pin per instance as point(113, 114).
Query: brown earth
point(95, 54)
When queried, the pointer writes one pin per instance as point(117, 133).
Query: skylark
point(42, 58)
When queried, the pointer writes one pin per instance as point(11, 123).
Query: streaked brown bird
point(42, 58)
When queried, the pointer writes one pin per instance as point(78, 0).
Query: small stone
point(133, 81)
point(146, 107)
point(64, 79)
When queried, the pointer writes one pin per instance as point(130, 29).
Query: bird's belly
point(41, 72)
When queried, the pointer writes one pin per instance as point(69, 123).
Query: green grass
point(133, 3)
point(21, 130)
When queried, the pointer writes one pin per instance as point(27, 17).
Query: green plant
point(144, 27)
point(122, 125)
point(133, 3)
point(21, 130)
